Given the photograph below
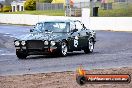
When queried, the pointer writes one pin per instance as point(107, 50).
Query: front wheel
point(21, 55)
point(64, 49)
point(90, 46)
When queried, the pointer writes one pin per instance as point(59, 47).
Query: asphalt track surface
point(112, 50)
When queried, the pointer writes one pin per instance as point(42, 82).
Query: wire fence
point(110, 9)
point(49, 6)
point(117, 4)
point(122, 8)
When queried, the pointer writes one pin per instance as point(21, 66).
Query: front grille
point(35, 44)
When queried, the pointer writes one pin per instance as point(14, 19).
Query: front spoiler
point(43, 51)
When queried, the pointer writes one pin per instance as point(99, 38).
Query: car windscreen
point(61, 27)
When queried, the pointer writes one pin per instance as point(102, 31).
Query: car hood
point(43, 36)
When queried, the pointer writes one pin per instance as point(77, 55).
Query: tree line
point(28, 5)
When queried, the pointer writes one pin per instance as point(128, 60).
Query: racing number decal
point(76, 41)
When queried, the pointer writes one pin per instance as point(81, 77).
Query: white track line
point(7, 54)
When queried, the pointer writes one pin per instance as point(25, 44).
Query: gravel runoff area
point(60, 80)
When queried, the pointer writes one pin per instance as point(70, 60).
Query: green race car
point(55, 37)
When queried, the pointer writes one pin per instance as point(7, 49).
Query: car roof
point(58, 21)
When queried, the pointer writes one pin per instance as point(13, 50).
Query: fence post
point(67, 7)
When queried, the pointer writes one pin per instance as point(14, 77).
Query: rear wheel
point(21, 55)
point(90, 46)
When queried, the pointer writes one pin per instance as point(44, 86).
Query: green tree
point(6, 8)
point(45, 1)
point(30, 5)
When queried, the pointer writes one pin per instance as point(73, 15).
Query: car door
point(73, 39)
point(81, 34)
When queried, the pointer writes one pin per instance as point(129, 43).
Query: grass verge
point(45, 12)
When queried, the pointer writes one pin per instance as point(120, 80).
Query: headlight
point(17, 43)
point(46, 42)
point(23, 43)
point(52, 43)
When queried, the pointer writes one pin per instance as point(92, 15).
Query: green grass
point(119, 10)
point(45, 12)
point(116, 13)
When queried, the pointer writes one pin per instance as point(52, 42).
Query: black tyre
point(21, 55)
point(64, 49)
point(90, 46)
point(81, 80)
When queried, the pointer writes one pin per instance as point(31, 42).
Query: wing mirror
point(83, 26)
point(31, 30)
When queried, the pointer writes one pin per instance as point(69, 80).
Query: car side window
point(78, 26)
point(67, 27)
point(72, 26)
